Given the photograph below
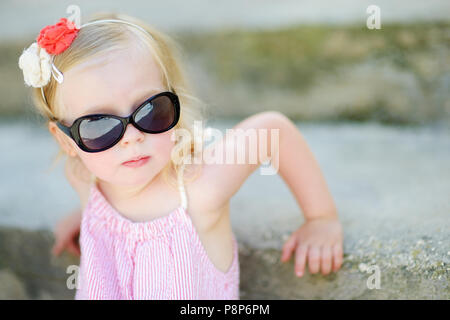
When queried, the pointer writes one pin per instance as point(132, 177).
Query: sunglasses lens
point(156, 115)
point(100, 132)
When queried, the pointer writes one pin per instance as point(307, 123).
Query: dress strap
point(181, 187)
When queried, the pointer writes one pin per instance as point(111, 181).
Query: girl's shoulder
point(204, 208)
point(79, 178)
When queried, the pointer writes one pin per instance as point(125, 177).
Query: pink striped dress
point(158, 259)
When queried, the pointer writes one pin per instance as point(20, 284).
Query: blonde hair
point(98, 39)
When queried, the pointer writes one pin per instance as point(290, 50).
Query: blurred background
point(373, 105)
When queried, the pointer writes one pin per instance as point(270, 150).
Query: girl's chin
point(136, 181)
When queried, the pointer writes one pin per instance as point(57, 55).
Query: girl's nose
point(131, 135)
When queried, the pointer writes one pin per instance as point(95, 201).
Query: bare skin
point(142, 195)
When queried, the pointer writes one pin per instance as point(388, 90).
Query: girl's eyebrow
point(109, 110)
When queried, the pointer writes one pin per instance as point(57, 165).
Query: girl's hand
point(320, 242)
point(66, 234)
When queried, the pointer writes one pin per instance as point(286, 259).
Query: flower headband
point(36, 61)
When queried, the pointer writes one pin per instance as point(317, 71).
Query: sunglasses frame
point(73, 131)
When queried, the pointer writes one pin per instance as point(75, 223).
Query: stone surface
point(10, 286)
point(27, 268)
point(390, 185)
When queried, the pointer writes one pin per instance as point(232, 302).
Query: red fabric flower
point(58, 37)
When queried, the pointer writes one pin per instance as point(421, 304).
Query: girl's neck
point(126, 193)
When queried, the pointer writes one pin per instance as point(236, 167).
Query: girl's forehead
point(112, 81)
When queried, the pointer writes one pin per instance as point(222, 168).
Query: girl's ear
point(63, 140)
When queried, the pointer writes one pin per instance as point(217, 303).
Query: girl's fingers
point(288, 247)
point(300, 259)
point(66, 233)
point(61, 243)
point(337, 256)
point(72, 248)
point(56, 250)
point(314, 259)
point(326, 259)
point(76, 246)
point(58, 245)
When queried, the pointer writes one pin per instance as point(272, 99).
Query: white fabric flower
point(36, 65)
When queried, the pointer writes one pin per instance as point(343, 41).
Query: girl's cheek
point(100, 164)
point(162, 144)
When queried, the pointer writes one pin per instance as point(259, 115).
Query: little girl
point(153, 224)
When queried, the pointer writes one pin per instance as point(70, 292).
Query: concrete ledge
point(416, 271)
point(390, 186)
point(27, 268)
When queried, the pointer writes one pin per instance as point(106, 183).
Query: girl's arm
point(78, 177)
point(296, 166)
point(66, 234)
point(319, 240)
point(67, 230)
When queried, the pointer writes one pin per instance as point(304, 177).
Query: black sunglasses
point(98, 132)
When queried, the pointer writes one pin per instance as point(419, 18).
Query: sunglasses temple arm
point(64, 129)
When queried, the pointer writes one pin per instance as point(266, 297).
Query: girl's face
point(115, 83)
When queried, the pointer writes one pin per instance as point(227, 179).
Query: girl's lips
point(137, 163)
